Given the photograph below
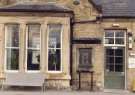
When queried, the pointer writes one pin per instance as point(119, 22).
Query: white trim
point(61, 52)
point(26, 52)
point(5, 49)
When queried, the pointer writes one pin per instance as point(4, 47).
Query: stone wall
point(85, 12)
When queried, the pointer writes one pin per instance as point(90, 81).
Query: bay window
point(12, 46)
point(54, 47)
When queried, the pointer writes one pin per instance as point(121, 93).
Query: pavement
point(38, 91)
point(52, 92)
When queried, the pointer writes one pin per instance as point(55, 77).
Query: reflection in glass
point(54, 35)
point(12, 35)
point(119, 41)
point(34, 35)
point(109, 41)
point(12, 59)
point(119, 68)
point(119, 34)
point(109, 52)
point(109, 34)
point(33, 59)
point(54, 60)
point(54, 47)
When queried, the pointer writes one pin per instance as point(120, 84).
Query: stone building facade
point(90, 35)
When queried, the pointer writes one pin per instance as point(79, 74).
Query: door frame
point(125, 66)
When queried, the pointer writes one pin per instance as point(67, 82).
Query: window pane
point(119, 41)
point(12, 35)
point(110, 60)
point(109, 34)
point(111, 68)
point(118, 68)
point(54, 60)
point(110, 52)
point(55, 36)
point(33, 60)
point(119, 52)
point(119, 60)
point(109, 41)
point(34, 35)
point(119, 34)
point(12, 59)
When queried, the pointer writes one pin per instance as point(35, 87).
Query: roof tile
point(116, 8)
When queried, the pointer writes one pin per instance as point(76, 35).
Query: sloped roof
point(35, 7)
point(116, 8)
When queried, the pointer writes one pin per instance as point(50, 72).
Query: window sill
point(12, 71)
point(54, 72)
point(29, 71)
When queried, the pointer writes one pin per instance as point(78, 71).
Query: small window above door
point(115, 37)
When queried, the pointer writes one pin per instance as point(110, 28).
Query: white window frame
point(119, 45)
point(61, 53)
point(5, 58)
point(26, 52)
point(124, 31)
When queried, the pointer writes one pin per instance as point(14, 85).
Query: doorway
point(114, 68)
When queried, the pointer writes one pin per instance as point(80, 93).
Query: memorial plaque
point(85, 63)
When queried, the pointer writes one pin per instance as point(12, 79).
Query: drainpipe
point(72, 23)
point(71, 48)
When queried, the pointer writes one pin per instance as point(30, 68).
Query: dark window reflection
point(115, 59)
point(109, 34)
point(55, 36)
point(110, 60)
point(119, 60)
point(34, 35)
point(119, 52)
point(12, 35)
point(109, 52)
point(54, 60)
point(119, 41)
point(12, 59)
point(109, 40)
point(111, 67)
point(119, 34)
point(33, 60)
point(119, 68)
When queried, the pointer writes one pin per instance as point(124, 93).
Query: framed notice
point(85, 59)
point(131, 62)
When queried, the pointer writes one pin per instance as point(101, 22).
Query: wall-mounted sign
point(85, 59)
point(130, 41)
point(131, 62)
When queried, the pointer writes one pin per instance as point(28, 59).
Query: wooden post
point(79, 80)
point(92, 81)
